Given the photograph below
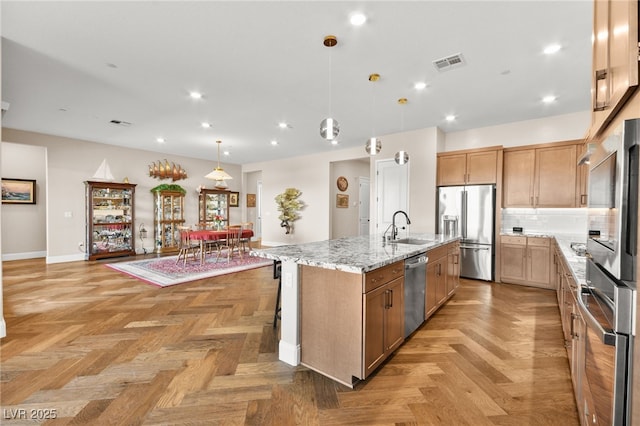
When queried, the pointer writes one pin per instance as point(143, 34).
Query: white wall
point(544, 130)
point(24, 225)
point(344, 221)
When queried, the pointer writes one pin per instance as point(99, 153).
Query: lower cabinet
point(350, 323)
point(443, 276)
point(574, 332)
point(383, 323)
point(526, 260)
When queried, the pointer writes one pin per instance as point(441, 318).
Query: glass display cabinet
point(109, 219)
point(168, 215)
point(214, 208)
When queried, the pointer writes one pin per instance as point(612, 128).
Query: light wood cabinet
point(574, 332)
point(383, 323)
point(540, 177)
point(526, 260)
point(615, 59)
point(109, 219)
point(466, 168)
point(453, 268)
point(350, 323)
point(443, 276)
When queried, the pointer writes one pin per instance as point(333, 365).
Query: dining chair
point(231, 243)
point(245, 242)
point(186, 246)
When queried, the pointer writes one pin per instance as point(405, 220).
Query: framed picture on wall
point(251, 200)
point(342, 201)
point(18, 191)
point(233, 199)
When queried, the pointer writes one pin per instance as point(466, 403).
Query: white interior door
point(363, 206)
point(257, 229)
point(392, 189)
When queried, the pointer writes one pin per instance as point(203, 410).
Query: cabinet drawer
point(437, 253)
point(512, 239)
point(539, 241)
point(382, 276)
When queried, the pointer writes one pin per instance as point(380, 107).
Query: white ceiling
point(259, 63)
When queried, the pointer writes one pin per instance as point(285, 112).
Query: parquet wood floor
point(89, 345)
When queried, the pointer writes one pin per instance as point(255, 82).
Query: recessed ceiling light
point(334, 142)
point(552, 48)
point(160, 140)
point(274, 142)
point(450, 117)
point(420, 85)
point(195, 95)
point(225, 153)
point(206, 125)
point(549, 99)
point(283, 125)
point(358, 19)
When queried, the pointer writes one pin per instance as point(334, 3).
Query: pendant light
point(218, 174)
point(402, 157)
point(329, 127)
point(373, 145)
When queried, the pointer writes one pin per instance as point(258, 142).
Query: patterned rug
point(165, 272)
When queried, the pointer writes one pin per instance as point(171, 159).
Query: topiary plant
point(288, 206)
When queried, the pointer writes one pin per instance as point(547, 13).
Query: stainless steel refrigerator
point(469, 212)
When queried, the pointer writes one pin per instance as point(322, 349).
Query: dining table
point(204, 235)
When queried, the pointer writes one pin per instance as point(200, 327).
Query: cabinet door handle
point(391, 299)
point(573, 317)
point(583, 199)
point(531, 202)
point(601, 89)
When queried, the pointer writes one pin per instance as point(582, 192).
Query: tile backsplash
point(556, 221)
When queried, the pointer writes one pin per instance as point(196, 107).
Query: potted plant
point(288, 206)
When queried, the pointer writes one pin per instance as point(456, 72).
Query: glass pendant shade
point(373, 146)
point(329, 128)
point(218, 174)
point(402, 157)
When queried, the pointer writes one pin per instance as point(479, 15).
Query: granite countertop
point(576, 263)
point(353, 254)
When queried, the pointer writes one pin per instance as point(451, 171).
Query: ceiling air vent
point(450, 62)
point(120, 123)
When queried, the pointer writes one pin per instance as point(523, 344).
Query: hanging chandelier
point(329, 127)
point(218, 174)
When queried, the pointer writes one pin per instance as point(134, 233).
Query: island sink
point(413, 241)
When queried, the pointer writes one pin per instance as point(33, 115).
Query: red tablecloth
point(210, 234)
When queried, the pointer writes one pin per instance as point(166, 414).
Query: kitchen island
point(343, 300)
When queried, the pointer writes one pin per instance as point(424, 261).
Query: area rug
point(165, 272)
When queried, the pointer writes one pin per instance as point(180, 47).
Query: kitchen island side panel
point(331, 322)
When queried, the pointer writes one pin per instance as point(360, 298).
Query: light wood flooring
point(89, 345)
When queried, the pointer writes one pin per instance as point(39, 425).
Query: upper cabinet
point(615, 59)
point(541, 177)
point(468, 167)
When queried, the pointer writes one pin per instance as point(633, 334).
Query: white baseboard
point(272, 244)
point(67, 258)
point(22, 256)
point(289, 353)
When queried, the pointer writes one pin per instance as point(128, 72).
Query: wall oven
point(608, 299)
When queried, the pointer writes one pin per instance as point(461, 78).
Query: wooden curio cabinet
point(213, 203)
point(168, 214)
point(109, 219)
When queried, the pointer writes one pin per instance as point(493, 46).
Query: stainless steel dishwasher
point(415, 284)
